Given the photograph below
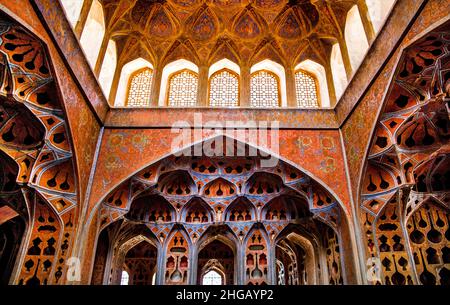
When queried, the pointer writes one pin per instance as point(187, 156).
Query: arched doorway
point(125, 247)
point(140, 264)
point(308, 254)
point(290, 264)
point(218, 257)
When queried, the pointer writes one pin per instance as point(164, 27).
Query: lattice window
point(306, 90)
point(224, 89)
point(140, 87)
point(124, 280)
point(183, 89)
point(264, 89)
point(212, 278)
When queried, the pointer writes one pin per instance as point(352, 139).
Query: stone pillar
point(290, 88)
point(101, 55)
point(156, 85)
point(330, 83)
point(346, 58)
point(202, 93)
point(240, 264)
point(114, 86)
point(244, 86)
point(193, 265)
point(366, 21)
point(271, 259)
point(79, 26)
point(161, 265)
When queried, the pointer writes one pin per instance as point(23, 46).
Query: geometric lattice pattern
point(140, 87)
point(306, 90)
point(183, 89)
point(224, 89)
point(264, 90)
point(212, 278)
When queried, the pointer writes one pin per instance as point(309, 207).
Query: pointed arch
point(130, 70)
point(219, 187)
point(181, 49)
point(263, 183)
point(92, 36)
point(225, 48)
point(73, 10)
point(318, 71)
point(285, 207)
point(248, 24)
point(355, 37)
point(241, 209)
point(134, 243)
point(303, 271)
point(176, 183)
point(203, 24)
point(152, 208)
point(222, 64)
point(218, 249)
point(338, 70)
point(256, 262)
point(379, 11)
point(177, 262)
point(223, 87)
point(171, 70)
point(163, 23)
point(272, 77)
point(108, 68)
point(197, 211)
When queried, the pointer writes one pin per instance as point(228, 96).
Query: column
point(112, 94)
point(346, 59)
point(290, 88)
point(156, 85)
point(240, 264)
point(101, 55)
point(330, 83)
point(244, 86)
point(78, 29)
point(367, 23)
point(161, 265)
point(202, 95)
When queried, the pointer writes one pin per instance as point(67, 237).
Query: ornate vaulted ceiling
point(244, 31)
